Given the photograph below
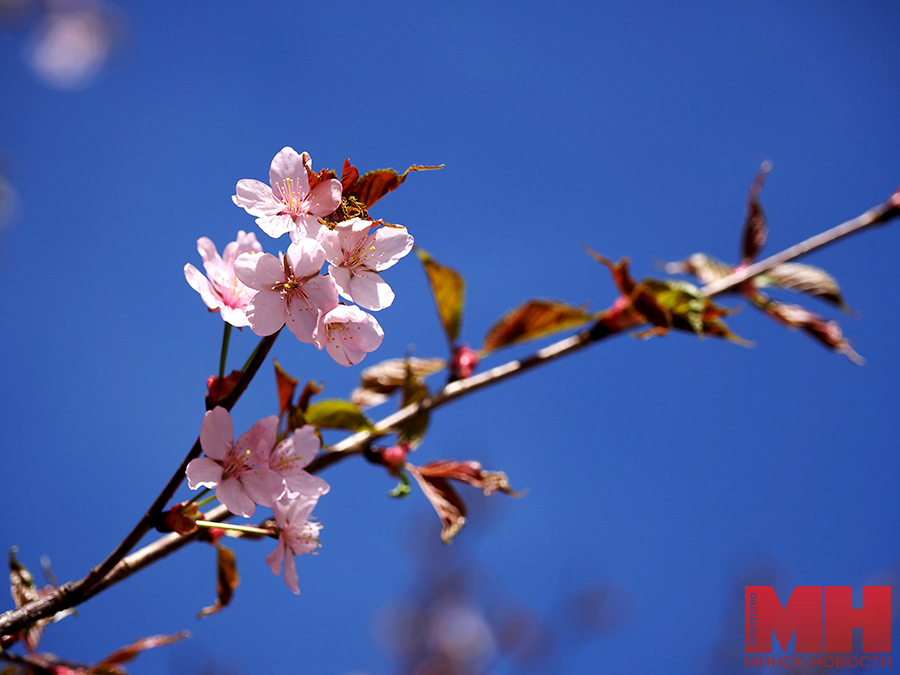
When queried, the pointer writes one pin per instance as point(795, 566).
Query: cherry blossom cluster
point(265, 292)
point(254, 470)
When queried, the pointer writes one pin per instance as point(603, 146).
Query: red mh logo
point(821, 627)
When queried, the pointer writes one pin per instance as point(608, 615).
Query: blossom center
point(293, 198)
point(238, 462)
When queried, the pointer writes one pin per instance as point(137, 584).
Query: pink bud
point(465, 361)
point(395, 456)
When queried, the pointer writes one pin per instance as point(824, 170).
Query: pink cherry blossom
point(357, 255)
point(289, 205)
point(289, 457)
point(290, 291)
point(239, 471)
point(298, 535)
point(220, 289)
point(348, 333)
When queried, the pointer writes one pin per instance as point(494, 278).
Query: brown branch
point(73, 593)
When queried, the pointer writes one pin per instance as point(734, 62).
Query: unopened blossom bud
point(465, 361)
point(395, 457)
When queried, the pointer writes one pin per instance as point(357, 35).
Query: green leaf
point(337, 414)
point(403, 488)
point(449, 290)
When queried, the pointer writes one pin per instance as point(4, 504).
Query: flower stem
point(206, 501)
point(237, 528)
point(202, 493)
point(226, 337)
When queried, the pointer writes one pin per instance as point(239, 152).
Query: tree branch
point(118, 567)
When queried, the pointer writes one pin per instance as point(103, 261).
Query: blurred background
point(662, 476)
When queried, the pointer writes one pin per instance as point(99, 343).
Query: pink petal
point(235, 316)
point(346, 357)
point(263, 486)
point(266, 312)
point(208, 253)
point(255, 198)
point(370, 291)
point(302, 318)
point(322, 292)
point(217, 433)
point(231, 493)
point(306, 258)
point(305, 484)
point(331, 243)
point(306, 227)
point(290, 574)
point(260, 439)
point(341, 276)
point(203, 472)
point(304, 444)
point(325, 197)
point(391, 244)
point(243, 243)
point(275, 559)
point(201, 284)
point(288, 164)
point(260, 271)
point(299, 510)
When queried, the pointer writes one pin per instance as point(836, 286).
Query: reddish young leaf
point(702, 267)
point(806, 279)
point(470, 472)
point(374, 185)
point(111, 663)
point(827, 332)
point(679, 305)
point(227, 580)
point(412, 431)
point(534, 319)
point(433, 479)
point(180, 519)
point(620, 272)
point(755, 229)
point(311, 389)
point(286, 387)
point(220, 388)
point(448, 289)
point(450, 508)
point(388, 376)
point(23, 591)
point(349, 175)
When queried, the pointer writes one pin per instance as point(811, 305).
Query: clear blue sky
point(669, 468)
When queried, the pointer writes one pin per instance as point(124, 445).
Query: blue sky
point(668, 468)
